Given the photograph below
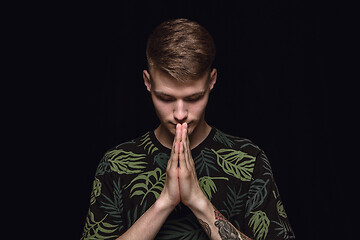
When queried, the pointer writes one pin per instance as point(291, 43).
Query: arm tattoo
point(226, 230)
point(205, 226)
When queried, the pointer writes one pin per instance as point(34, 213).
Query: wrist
point(164, 204)
point(200, 205)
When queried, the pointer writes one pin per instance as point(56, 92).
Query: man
point(185, 179)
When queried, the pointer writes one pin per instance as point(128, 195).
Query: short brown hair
point(182, 48)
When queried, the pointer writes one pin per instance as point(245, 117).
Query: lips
point(174, 125)
point(180, 123)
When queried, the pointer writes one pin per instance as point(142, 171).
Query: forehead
point(163, 82)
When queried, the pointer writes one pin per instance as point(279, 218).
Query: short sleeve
point(265, 216)
point(104, 219)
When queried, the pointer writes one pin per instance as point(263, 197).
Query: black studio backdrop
point(271, 89)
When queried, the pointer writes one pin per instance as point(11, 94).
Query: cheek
point(163, 110)
point(198, 109)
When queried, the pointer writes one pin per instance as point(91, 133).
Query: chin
point(190, 129)
point(172, 130)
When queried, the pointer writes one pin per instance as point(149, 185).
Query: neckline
point(194, 150)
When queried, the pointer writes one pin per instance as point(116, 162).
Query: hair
point(181, 48)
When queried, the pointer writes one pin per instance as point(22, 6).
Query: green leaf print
point(103, 167)
point(124, 162)
point(246, 142)
point(114, 206)
point(186, 228)
point(234, 203)
point(259, 223)
point(161, 159)
point(266, 165)
point(280, 209)
point(135, 215)
point(257, 194)
point(147, 143)
point(283, 229)
point(236, 163)
point(98, 229)
point(205, 160)
point(146, 183)
point(96, 191)
point(208, 186)
point(223, 138)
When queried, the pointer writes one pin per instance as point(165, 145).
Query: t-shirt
point(234, 174)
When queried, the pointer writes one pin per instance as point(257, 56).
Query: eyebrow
point(159, 93)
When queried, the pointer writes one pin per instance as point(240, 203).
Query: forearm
point(149, 224)
point(214, 223)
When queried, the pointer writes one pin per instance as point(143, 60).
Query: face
point(179, 102)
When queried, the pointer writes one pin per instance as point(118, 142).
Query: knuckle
point(170, 172)
point(185, 174)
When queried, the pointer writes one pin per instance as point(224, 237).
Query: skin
point(181, 111)
point(177, 102)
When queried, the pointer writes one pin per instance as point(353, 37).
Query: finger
point(184, 140)
point(189, 161)
point(175, 157)
point(189, 156)
point(182, 160)
point(178, 133)
point(173, 146)
point(174, 150)
point(176, 162)
point(172, 157)
point(172, 153)
point(183, 132)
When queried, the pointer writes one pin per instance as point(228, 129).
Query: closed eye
point(168, 98)
point(165, 98)
point(194, 99)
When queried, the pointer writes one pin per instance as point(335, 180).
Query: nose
point(180, 112)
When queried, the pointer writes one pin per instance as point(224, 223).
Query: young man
point(185, 179)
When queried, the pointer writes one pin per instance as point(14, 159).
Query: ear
point(147, 80)
point(213, 77)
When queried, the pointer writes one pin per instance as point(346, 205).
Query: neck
point(198, 135)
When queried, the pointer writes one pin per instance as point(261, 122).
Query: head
point(180, 77)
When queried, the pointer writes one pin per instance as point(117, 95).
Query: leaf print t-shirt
point(234, 174)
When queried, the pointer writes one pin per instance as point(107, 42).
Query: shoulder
point(127, 157)
point(236, 156)
point(140, 145)
point(227, 141)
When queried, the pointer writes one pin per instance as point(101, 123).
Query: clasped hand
point(181, 182)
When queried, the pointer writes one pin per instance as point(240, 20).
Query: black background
point(274, 87)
